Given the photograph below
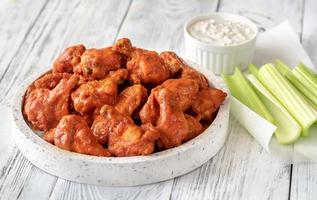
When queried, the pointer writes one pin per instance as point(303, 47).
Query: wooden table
point(33, 33)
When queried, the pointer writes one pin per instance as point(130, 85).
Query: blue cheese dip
point(225, 32)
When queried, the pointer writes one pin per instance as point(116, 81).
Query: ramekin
point(220, 58)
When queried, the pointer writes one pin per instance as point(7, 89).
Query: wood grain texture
point(158, 24)
point(16, 22)
point(304, 176)
point(267, 14)
point(241, 170)
point(67, 190)
point(309, 36)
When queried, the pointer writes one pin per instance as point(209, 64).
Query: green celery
point(288, 130)
point(253, 70)
point(300, 80)
point(241, 89)
point(288, 96)
point(307, 77)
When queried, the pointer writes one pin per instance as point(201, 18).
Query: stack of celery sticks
point(285, 97)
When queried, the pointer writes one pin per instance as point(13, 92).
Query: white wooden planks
point(267, 14)
point(242, 170)
point(158, 24)
point(67, 190)
point(304, 176)
point(16, 22)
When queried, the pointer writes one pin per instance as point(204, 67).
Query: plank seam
point(53, 188)
point(218, 5)
point(290, 182)
point(122, 21)
point(302, 20)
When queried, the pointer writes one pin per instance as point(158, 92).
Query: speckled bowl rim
point(35, 138)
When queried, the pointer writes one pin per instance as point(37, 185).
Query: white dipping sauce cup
point(216, 57)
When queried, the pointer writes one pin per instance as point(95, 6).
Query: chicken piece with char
point(69, 59)
point(95, 64)
point(144, 66)
point(128, 101)
point(126, 138)
point(177, 65)
point(207, 103)
point(130, 98)
point(169, 101)
point(184, 93)
point(174, 63)
point(94, 94)
point(47, 100)
point(73, 134)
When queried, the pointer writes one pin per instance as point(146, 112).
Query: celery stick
point(288, 130)
point(307, 90)
point(308, 78)
point(242, 90)
point(309, 72)
point(282, 67)
point(253, 70)
point(288, 96)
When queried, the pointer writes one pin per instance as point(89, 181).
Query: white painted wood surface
point(32, 34)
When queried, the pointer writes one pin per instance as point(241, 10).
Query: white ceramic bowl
point(220, 58)
point(120, 171)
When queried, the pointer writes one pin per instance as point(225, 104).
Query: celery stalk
point(288, 130)
point(282, 67)
point(242, 90)
point(288, 96)
point(304, 82)
point(253, 70)
point(308, 78)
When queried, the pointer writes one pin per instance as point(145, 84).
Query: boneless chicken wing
point(190, 73)
point(73, 134)
point(194, 127)
point(126, 138)
point(94, 94)
point(144, 66)
point(184, 93)
point(151, 109)
point(171, 123)
point(128, 100)
point(69, 59)
point(169, 101)
point(97, 63)
point(207, 103)
point(147, 67)
point(177, 65)
point(174, 63)
point(47, 100)
point(123, 46)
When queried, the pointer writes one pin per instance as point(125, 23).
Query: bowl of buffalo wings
point(120, 116)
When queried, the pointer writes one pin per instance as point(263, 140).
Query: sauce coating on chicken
point(120, 101)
